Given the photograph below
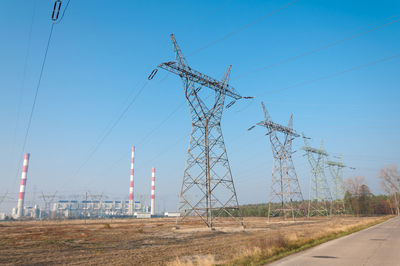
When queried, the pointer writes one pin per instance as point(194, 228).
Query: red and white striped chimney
point(152, 190)
point(20, 206)
point(131, 200)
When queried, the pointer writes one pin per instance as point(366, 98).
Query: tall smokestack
point(131, 201)
point(20, 206)
point(152, 190)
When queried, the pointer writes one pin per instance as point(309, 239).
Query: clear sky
point(102, 52)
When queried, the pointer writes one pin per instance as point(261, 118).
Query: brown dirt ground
point(145, 241)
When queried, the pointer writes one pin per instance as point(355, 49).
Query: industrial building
point(95, 208)
point(28, 212)
point(74, 209)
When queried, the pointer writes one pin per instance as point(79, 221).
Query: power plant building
point(95, 208)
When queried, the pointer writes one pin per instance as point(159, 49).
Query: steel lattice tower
point(285, 186)
point(319, 195)
point(3, 197)
point(207, 188)
point(336, 170)
point(48, 201)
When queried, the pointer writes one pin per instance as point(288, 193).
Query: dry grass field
point(154, 241)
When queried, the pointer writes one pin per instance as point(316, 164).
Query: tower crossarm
point(202, 79)
point(337, 164)
point(274, 126)
point(314, 150)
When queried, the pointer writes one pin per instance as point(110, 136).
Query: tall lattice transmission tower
point(320, 198)
point(207, 188)
point(3, 197)
point(48, 202)
point(285, 195)
point(336, 170)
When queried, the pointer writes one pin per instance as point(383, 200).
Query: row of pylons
point(207, 188)
point(286, 198)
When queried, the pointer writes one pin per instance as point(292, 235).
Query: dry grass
point(284, 244)
point(154, 242)
point(197, 260)
point(107, 226)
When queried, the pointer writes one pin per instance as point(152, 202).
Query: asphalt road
point(377, 245)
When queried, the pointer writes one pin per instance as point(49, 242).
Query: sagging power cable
point(350, 37)
point(22, 86)
point(334, 74)
point(241, 28)
point(108, 132)
point(55, 19)
point(326, 77)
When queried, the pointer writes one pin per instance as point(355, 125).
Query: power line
point(163, 122)
point(110, 127)
point(319, 48)
point(37, 89)
point(125, 102)
point(323, 78)
point(315, 50)
point(241, 28)
point(168, 149)
point(295, 57)
point(55, 20)
point(158, 155)
point(154, 130)
point(334, 74)
point(112, 124)
point(180, 139)
point(216, 171)
point(108, 132)
point(24, 75)
point(221, 5)
point(40, 80)
point(296, 85)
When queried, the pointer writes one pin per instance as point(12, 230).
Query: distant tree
point(353, 188)
point(390, 181)
point(348, 198)
point(353, 184)
point(365, 200)
point(382, 205)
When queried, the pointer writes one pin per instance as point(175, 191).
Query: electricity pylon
point(319, 195)
point(3, 197)
point(48, 201)
point(97, 200)
point(207, 187)
point(285, 187)
point(336, 170)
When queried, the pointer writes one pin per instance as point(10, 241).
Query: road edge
point(293, 248)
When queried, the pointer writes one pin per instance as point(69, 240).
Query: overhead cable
point(39, 81)
point(241, 28)
point(318, 49)
point(108, 132)
point(333, 74)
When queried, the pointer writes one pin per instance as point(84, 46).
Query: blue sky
point(101, 54)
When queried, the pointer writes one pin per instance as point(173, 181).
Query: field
point(154, 241)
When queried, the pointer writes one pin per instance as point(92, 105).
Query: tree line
point(358, 199)
point(361, 202)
